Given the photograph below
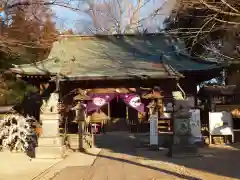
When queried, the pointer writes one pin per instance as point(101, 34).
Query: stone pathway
point(74, 159)
point(119, 161)
point(122, 159)
point(17, 166)
point(114, 166)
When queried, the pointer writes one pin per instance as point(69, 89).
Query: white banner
point(195, 126)
point(195, 123)
point(153, 129)
point(220, 123)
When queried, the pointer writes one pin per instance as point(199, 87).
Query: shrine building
point(117, 76)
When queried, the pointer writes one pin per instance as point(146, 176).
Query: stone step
point(50, 152)
point(50, 141)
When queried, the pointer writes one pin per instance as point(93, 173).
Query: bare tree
point(211, 29)
point(119, 16)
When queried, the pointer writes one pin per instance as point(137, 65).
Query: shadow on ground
point(218, 161)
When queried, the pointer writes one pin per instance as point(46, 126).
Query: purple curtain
point(99, 100)
point(134, 101)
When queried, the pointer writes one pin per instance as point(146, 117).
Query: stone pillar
point(181, 145)
point(50, 144)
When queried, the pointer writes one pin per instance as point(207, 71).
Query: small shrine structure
point(219, 99)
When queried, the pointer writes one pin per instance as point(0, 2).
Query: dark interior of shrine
point(117, 108)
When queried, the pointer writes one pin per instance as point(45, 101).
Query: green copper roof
point(115, 57)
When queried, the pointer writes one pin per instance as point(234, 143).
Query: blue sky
point(66, 18)
point(69, 19)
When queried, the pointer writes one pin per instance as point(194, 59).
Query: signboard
point(220, 123)
point(153, 129)
point(195, 124)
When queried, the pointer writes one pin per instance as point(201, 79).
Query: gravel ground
point(122, 159)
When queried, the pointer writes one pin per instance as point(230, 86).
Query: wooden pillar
point(170, 149)
point(127, 116)
point(212, 109)
point(109, 115)
point(81, 124)
point(80, 134)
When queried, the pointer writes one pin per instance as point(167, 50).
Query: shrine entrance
point(118, 115)
point(117, 108)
